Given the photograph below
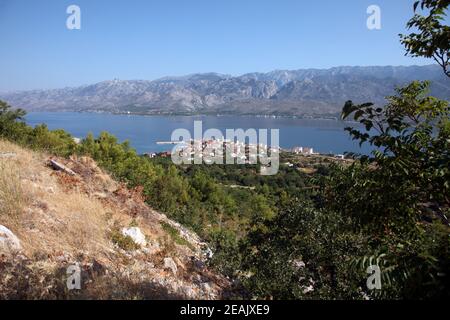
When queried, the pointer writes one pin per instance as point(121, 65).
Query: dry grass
point(12, 196)
point(58, 215)
point(51, 219)
point(68, 222)
point(61, 220)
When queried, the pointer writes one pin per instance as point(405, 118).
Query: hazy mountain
point(306, 92)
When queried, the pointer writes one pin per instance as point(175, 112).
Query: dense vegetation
point(295, 235)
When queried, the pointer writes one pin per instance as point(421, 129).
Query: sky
point(155, 38)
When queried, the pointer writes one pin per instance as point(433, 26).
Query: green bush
point(122, 241)
point(175, 235)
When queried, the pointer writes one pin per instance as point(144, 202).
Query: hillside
point(61, 219)
point(305, 92)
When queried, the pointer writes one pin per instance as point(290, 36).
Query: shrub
point(175, 235)
point(122, 241)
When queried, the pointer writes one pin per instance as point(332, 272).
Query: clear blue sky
point(155, 38)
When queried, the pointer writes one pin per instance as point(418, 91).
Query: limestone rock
point(135, 234)
point(9, 243)
point(171, 265)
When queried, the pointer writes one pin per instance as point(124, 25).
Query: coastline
point(182, 114)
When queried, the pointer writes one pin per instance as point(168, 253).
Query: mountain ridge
point(302, 92)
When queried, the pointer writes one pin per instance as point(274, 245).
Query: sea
point(144, 132)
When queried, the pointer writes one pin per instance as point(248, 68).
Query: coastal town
point(212, 149)
point(240, 152)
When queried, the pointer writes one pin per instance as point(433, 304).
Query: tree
point(9, 119)
point(413, 139)
point(304, 253)
point(400, 193)
point(432, 37)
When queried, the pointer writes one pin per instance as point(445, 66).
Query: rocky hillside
point(57, 213)
point(307, 92)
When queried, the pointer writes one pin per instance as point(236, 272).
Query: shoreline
point(256, 116)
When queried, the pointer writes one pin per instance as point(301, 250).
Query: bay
point(143, 132)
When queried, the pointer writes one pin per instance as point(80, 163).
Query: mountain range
point(302, 93)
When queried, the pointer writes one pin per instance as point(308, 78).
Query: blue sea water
point(325, 136)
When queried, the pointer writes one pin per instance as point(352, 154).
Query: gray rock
point(207, 290)
point(198, 264)
point(9, 243)
point(189, 292)
point(153, 247)
point(171, 265)
point(298, 264)
point(207, 253)
point(135, 234)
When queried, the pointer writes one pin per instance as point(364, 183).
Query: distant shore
point(183, 114)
